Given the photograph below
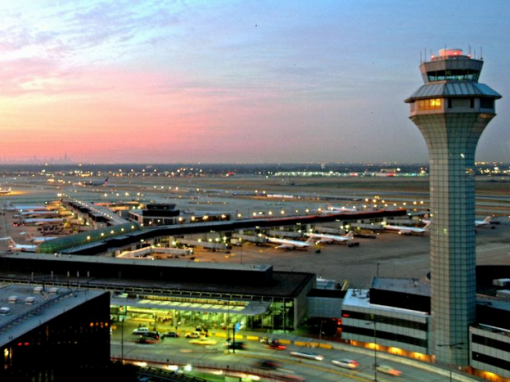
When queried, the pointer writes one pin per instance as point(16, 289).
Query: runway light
point(187, 368)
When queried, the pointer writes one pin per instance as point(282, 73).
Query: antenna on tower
point(481, 53)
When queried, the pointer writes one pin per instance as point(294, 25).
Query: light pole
point(375, 345)
point(457, 345)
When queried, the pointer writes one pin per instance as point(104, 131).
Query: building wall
point(392, 328)
point(324, 307)
point(490, 351)
point(74, 344)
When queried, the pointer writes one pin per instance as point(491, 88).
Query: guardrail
point(212, 367)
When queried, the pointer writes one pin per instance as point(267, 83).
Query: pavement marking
point(323, 369)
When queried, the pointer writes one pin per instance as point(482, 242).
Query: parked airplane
point(42, 221)
point(36, 214)
point(478, 223)
point(336, 210)
point(403, 230)
point(290, 244)
point(19, 247)
point(323, 238)
point(37, 240)
point(486, 221)
point(5, 192)
point(17, 207)
point(94, 183)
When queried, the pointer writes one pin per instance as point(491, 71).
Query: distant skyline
point(160, 81)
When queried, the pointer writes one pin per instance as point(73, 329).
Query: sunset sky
point(157, 81)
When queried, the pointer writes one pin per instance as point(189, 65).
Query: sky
point(250, 81)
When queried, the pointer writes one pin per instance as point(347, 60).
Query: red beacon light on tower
point(452, 52)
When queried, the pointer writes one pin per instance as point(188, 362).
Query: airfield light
point(205, 217)
point(270, 213)
point(199, 240)
point(282, 212)
point(210, 240)
point(88, 237)
point(254, 214)
point(102, 233)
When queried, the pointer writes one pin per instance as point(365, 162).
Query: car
point(347, 363)
point(309, 355)
point(268, 365)
point(170, 334)
point(203, 341)
point(238, 345)
point(149, 337)
point(275, 345)
point(141, 330)
point(388, 370)
point(267, 340)
point(193, 335)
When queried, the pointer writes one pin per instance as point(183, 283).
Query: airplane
point(403, 230)
point(323, 238)
point(478, 223)
point(93, 184)
point(290, 244)
point(37, 240)
point(486, 221)
point(19, 247)
point(5, 192)
point(42, 221)
point(337, 210)
point(17, 207)
point(36, 213)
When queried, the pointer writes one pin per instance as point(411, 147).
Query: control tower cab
point(451, 86)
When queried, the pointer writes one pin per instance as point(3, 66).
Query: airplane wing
point(285, 246)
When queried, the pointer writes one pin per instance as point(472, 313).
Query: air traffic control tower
point(451, 110)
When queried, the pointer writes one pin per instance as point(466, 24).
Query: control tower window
point(429, 104)
point(487, 103)
point(454, 75)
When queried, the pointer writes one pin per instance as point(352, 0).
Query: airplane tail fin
point(427, 227)
point(310, 240)
point(487, 219)
point(9, 240)
point(350, 234)
point(106, 180)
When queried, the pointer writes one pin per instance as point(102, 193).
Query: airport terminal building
point(177, 293)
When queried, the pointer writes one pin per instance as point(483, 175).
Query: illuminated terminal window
point(429, 104)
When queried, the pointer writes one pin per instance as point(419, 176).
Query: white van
point(141, 330)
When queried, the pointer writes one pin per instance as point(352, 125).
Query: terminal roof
point(23, 316)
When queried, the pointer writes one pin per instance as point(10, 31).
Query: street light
point(457, 345)
point(375, 345)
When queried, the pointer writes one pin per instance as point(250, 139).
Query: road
point(179, 351)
